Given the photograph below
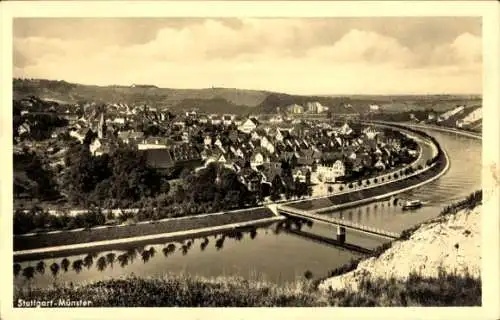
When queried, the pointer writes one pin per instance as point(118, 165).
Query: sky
point(383, 55)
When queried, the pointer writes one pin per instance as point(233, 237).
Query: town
point(121, 156)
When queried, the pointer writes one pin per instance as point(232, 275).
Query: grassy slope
point(69, 92)
point(186, 291)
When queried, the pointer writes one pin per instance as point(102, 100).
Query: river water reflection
point(269, 253)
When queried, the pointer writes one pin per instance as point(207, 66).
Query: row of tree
point(37, 219)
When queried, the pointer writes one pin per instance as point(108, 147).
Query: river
point(268, 253)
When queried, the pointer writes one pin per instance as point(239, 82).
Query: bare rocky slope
point(451, 243)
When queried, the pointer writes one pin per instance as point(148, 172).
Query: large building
point(152, 143)
point(248, 126)
point(314, 107)
point(296, 108)
point(472, 117)
point(329, 173)
point(450, 113)
point(177, 157)
point(101, 128)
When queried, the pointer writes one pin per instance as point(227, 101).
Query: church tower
point(100, 129)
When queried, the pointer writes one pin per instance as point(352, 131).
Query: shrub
point(308, 275)
point(470, 203)
point(349, 266)
point(110, 215)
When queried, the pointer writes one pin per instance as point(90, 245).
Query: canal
point(268, 253)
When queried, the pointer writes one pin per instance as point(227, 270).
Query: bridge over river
point(340, 224)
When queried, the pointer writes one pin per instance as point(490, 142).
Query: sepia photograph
point(278, 161)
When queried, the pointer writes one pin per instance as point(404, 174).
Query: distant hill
point(72, 93)
point(222, 100)
point(214, 105)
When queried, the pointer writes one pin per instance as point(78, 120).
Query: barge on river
point(412, 205)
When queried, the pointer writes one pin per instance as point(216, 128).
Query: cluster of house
point(255, 150)
point(330, 152)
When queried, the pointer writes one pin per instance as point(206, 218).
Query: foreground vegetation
point(185, 291)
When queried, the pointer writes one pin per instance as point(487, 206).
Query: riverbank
point(439, 265)
point(386, 190)
point(444, 287)
point(27, 245)
point(449, 244)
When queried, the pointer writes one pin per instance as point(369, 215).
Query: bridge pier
point(341, 234)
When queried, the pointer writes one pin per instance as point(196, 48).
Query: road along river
point(269, 252)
